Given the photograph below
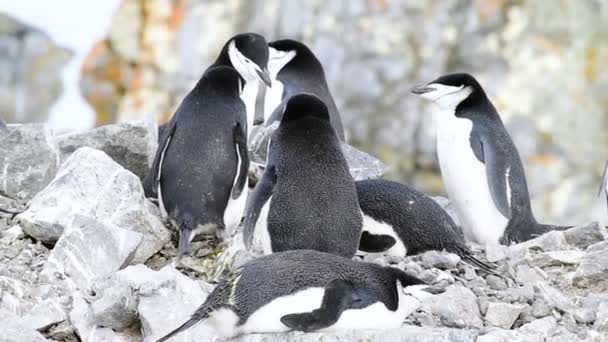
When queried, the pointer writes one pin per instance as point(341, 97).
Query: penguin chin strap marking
point(446, 94)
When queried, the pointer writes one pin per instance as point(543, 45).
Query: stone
point(12, 234)
point(496, 252)
point(503, 315)
point(29, 160)
point(441, 260)
point(543, 326)
point(362, 166)
point(115, 307)
point(456, 307)
point(566, 337)
point(592, 272)
point(585, 235)
point(541, 308)
point(553, 297)
point(90, 183)
point(45, 314)
point(131, 144)
point(601, 317)
point(526, 274)
point(584, 315)
point(15, 328)
point(557, 258)
point(551, 241)
point(63, 331)
point(496, 283)
point(81, 317)
point(89, 249)
point(508, 336)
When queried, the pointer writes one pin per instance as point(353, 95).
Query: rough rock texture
point(456, 307)
point(593, 269)
point(91, 184)
point(45, 314)
point(89, 249)
point(16, 329)
point(503, 315)
point(130, 144)
point(29, 160)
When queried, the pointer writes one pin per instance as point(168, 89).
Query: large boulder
point(593, 269)
point(90, 249)
point(131, 144)
point(457, 307)
point(16, 329)
point(28, 161)
point(90, 183)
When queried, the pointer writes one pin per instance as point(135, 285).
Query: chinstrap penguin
point(308, 291)
point(483, 174)
point(399, 221)
point(295, 69)
point(200, 168)
point(306, 198)
point(248, 54)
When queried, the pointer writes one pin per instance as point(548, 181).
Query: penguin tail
point(484, 266)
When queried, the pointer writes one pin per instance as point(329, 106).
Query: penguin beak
point(264, 76)
point(421, 89)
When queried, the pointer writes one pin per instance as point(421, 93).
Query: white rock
point(543, 326)
point(593, 269)
point(16, 329)
point(585, 235)
point(456, 307)
point(131, 144)
point(496, 252)
point(28, 162)
point(92, 184)
point(526, 274)
point(508, 336)
point(503, 315)
point(601, 317)
point(90, 249)
point(553, 297)
point(557, 258)
point(45, 314)
point(115, 306)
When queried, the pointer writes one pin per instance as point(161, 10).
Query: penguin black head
point(248, 54)
point(304, 105)
point(452, 90)
point(222, 79)
point(294, 53)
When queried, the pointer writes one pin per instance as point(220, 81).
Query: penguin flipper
point(340, 295)
point(261, 194)
point(372, 243)
point(240, 140)
point(497, 172)
point(164, 141)
point(604, 183)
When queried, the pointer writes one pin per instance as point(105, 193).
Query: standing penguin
point(480, 165)
point(399, 221)
point(200, 168)
point(604, 183)
point(307, 197)
point(294, 69)
point(308, 291)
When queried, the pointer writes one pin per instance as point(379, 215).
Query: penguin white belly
point(235, 207)
point(273, 98)
point(374, 227)
point(466, 181)
point(248, 96)
point(261, 237)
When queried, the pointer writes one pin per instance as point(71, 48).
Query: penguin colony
point(306, 212)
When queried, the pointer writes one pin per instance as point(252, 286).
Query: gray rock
point(503, 315)
point(495, 252)
point(551, 241)
point(543, 326)
point(601, 317)
point(553, 297)
point(496, 283)
point(131, 144)
point(456, 307)
point(585, 235)
point(29, 160)
point(584, 315)
point(16, 329)
point(441, 260)
point(92, 184)
point(362, 166)
point(115, 307)
point(593, 269)
point(45, 314)
point(557, 258)
point(541, 308)
point(508, 336)
point(63, 331)
point(89, 249)
point(567, 337)
point(526, 274)
point(81, 317)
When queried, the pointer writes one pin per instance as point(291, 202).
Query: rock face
point(29, 160)
point(89, 249)
point(130, 144)
point(90, 183)
point(462, 312)
point(16, 329)
point(503, 315)
point(593, 269)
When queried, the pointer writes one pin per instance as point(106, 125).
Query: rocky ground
point(90, 259)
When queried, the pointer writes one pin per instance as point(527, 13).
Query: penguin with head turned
point(399, 221)
point(294, 69)
point(308, 290)
point(200, 168)
point(248, 54)
point(481, 168)
point(306, 198)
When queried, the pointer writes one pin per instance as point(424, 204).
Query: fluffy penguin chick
point(306, 198)
point(399, 221)
point(308, 291)
point(483, 174)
